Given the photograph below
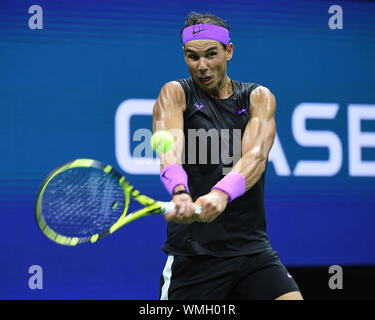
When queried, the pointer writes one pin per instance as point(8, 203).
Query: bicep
point(261, 128)
point(169, 107)
point(168, 114)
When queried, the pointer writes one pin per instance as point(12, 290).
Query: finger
point(184, 212)
point(189, 210)
point(208, 213)
point(182, 208)
point(200, 203)
point(170, 216)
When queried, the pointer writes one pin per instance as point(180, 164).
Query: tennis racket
point(85, 200)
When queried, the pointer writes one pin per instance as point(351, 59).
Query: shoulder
point(262, 95)
point(263, 102)
point(171, 95)
point(172, 90)
point(172, 86)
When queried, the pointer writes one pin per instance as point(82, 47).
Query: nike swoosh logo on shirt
point(242, 110)
point(198, 106)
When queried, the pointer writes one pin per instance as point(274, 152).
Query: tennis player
point(223, 253)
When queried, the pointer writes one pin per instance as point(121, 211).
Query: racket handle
point(167, 207)
point(198, 209)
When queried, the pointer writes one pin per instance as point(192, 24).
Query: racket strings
point(80, 202)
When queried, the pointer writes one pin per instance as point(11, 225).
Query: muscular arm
point(256, 145)
point(168, 114)
point(258, 137)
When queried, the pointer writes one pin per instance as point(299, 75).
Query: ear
point(229, 51)
point(183, 50)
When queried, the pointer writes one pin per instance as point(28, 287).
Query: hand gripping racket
point(85, 200)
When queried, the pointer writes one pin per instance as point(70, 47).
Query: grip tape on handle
point(169, 206)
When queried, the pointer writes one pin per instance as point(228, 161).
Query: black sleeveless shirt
point(213, 131)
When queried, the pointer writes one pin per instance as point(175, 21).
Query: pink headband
point(207, 32)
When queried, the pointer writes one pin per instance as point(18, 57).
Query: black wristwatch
point(180, 192)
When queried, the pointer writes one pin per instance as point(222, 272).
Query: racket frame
point(151, 206)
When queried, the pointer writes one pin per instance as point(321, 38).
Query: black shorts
point(259, 276)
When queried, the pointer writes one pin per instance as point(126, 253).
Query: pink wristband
point(173, 175)
point(233, 184)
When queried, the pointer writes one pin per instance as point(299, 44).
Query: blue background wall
point(60, 88)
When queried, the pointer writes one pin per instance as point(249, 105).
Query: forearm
point(257, 142)
point(172, 174)
point(251, 166)
point(174, 127)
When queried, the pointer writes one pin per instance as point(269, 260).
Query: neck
point(223, 90)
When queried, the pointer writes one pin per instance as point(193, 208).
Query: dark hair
point(206, 18)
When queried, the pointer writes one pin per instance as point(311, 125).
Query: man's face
point(207, 62)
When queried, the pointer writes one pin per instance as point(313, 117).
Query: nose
point(202, 65)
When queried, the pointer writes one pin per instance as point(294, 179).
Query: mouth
point(205, 80)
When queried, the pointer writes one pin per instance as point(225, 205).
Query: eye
point(193, 57)
point(211, 54)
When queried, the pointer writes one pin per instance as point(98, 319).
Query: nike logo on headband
point(195, 32)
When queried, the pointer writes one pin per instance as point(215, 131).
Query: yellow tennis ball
point(162, 141)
